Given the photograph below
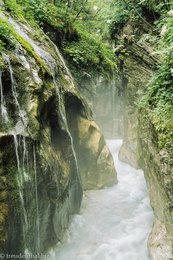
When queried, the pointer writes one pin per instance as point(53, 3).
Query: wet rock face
point(36, 182)
point(48, 143)
point(4, 208)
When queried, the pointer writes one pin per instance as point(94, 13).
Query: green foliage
point(1, 46)
point(161, 118)
point(141, 13)
point(28, 47)
point(159, 97)
point(7, 40)
point(100, 17)
point(73, 22)
point(88, 51)
point(35, 9)
point(41, 11)
point(36, 12)
point(14, 8)
point(81, 53)
point(159, 103)
point(90, 54)
point(167, 38)
point(120, 19)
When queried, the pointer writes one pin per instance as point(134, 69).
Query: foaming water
point(114, 223)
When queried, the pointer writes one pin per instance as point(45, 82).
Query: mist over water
point(114, 223)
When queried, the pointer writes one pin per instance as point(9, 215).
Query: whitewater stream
point(114, 223)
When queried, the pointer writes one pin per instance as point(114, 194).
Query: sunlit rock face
point(94, 159)
point(47, 146)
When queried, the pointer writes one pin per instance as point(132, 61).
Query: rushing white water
point(25, 161)
point(114, 223)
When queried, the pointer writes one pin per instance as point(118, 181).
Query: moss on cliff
point(77, 42)
point(7, 39)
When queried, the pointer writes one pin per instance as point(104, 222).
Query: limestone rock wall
point(158, 172)
point(137, 65)
point(47, 145)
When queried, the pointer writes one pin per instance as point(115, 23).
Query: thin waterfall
point(114, 123)
point(16, 150)
point(20, 186)
point(116, 111)
point(74, 153)
point(70, 79)
point(22, 159)
point(62, 61)
point(65, 122)
point(4, 112)
point(13, 85)
point(25, 161)
point(21, 112)
point(64, 66)
point(36, 200)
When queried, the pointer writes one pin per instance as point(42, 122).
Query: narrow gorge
point(75, 78)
